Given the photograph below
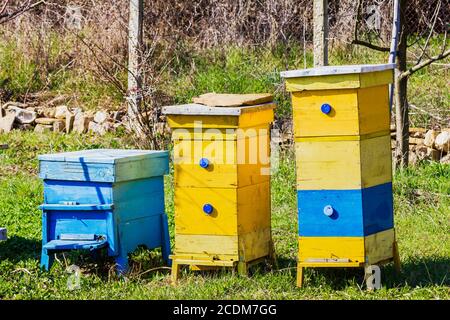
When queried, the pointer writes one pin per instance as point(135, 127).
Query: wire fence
point(85, 31)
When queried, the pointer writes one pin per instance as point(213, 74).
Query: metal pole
point(394, 43)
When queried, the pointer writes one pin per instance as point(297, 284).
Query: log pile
point(432, 144)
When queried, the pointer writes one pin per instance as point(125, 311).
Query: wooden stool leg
point(397, 264)
point(300, 276)
point(367, 274)
point(175, 272)
point(243, 268)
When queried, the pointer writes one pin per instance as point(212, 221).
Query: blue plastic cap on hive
point(207, 208)
point(325, 108)
point(204, 163)
point(328, 210)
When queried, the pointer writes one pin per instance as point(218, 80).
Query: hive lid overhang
point(107, 156)
point(337, 70)
point(195, 109)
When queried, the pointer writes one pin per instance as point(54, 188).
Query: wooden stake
point(134, 62)
point(320, 12)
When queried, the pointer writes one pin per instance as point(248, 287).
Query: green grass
point(422, 217)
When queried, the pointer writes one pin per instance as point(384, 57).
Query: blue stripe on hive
point(356, 213)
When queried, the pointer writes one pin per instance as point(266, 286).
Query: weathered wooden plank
point(254, 208)
point(84, 170)
point(339, 81)
point(340, 165)
point(313, 249)
point(209, 245)
point(256, 244)
point(353, 112)
point(337, 70)
point(250, 118)
point(380, 246)
point(191, 219)
point(310, 121)
point(373, 109)
point(232, 100)
point(376, 162)
point(328, 165)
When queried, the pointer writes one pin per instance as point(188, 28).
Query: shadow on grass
point(18, 248)
point(433, 271)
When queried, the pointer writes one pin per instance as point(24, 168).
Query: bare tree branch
point(4, 8)
point(5, 17)
point(435, 16)
point(355, 32)
point(370, 45)
point(424, 63)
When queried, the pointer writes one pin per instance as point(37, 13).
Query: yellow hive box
point(341, 120)
point(222, 185)
point(343, 163)
point(359, 102)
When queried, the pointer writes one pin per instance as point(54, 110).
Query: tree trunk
point(401, 101)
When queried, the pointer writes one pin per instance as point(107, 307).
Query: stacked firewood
point(427, 144)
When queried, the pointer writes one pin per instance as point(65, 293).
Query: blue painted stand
point(104, 199)
point(3, 235)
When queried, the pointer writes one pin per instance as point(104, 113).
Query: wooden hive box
point(112, 199)
point(222, 185)
point(344, 166)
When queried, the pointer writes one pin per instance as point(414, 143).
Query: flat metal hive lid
point(336, 70)
point(111, 156)
point(195, 109)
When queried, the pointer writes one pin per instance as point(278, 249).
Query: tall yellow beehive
point(222, 185)
point(343, 158)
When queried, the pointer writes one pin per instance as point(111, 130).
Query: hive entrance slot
point(77, 242)
point(80, 237)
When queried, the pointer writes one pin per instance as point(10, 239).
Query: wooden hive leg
point(272, 255)
point(300, 276)
point(396, 254)
point(367, 274)
point(243, 268)
point(47, 259)
point(121, 263)
point(175, 272)
point(165, 240)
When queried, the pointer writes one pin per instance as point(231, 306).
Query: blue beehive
point(112, 199)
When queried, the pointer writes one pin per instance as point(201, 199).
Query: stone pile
point(59, 118)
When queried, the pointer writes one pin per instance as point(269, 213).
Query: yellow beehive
point(341, 123)
point(222, 185)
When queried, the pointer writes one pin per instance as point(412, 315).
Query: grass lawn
point(422, 217)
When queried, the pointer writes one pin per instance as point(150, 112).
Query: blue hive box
point(112, 199)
